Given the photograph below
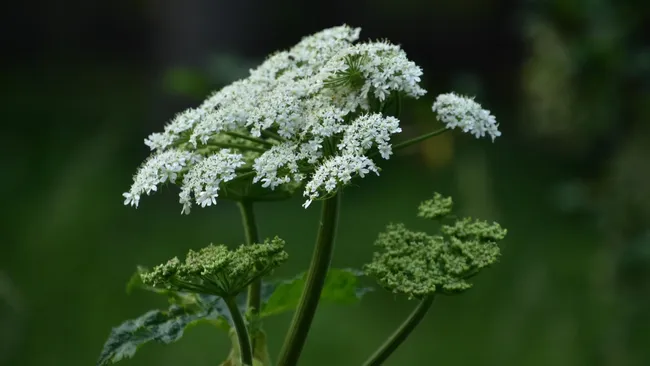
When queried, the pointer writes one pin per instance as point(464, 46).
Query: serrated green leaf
point(162, 326)
point(342, 286)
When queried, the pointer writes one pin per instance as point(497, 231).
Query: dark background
point(569, 80)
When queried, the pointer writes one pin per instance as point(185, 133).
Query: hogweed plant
point(307, 121)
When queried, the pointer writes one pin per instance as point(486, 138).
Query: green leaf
point(163, 326)
point(342, 286)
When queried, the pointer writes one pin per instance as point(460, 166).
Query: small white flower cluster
point(181, 123)
point(368, 130)
point(269, 166)
point(337, 170)
point(159, 168)
point(458, 111)
point(309, 111)
point(384, 68)
point(205, 177)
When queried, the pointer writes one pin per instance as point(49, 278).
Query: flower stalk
point(400, 335)
point(314, 282)
point(250, 138)
point(420, 138)
point(246, 350)
point(250, 230)
point(217, 146)
point(254, 300)
point(272, 135)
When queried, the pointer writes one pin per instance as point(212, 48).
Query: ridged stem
point(245, 348)
point(254, 300)
point(250, 231)
point(321, 258)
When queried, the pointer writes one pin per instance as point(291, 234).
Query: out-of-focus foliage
point(342, 286)
point(11, 318)
point(586, 73)
point(587, 88)
point(221, 69)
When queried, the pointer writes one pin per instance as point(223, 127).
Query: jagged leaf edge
point(166, 326)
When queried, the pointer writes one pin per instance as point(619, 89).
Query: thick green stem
point(401, 333)
point(242, 333)
point(250, 230)
point(314, 282)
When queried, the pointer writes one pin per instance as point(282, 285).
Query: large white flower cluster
point(306, 115)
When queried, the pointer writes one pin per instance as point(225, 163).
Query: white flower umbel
point(183, 121)
point(371, 69)
point(310, 114)
point(277, 166)
point(369, 130)
point(159, 168)
point(335, 171)
point(204, 178)
point(458, 111)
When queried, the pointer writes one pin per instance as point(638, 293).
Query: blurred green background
point(569, 80)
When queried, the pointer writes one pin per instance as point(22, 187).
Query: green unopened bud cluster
point(436, 208)
point(217, 270)
point(418, 264)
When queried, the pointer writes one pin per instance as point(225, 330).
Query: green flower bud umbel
point(437, 208)
point(418, 264)
point(217, 270)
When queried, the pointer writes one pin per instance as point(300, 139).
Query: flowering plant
point(307, 121)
